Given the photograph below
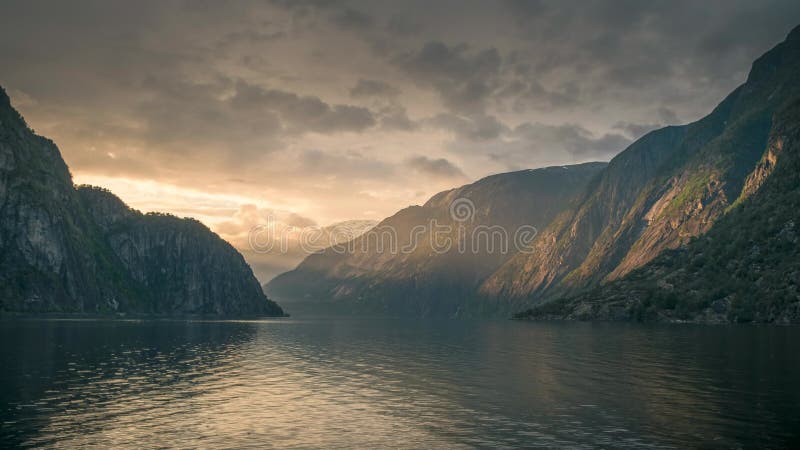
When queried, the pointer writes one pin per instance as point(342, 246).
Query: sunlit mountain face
point(309, 113)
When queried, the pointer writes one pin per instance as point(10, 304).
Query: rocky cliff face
point(429, 259)
point(665, 189)
point(745, 269)
point(83, 250)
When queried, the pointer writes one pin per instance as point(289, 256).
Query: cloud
point(463, 78)
point(296, 220)
point(302, 113)
point(574, 139)
point(395, 118)
point(182, 115)
point(524, 96)
point(438, 168)
point(403, 26)
point(477, 127)
point(350, 165)
point(21, 100)
point(635, 130)
point(284, 254)
point(351, 19)
point(318, 106)
point(668, 116)
point(373, 88)
point(249, 36)
point(282, 238)
point(665, 116)
point(535, 144)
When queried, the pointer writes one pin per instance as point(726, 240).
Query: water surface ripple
point(368, 383)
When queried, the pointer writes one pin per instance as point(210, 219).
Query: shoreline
point(132, 316)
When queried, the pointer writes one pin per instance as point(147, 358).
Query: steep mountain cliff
point(83, 250)
point(665, 189)
point(746, 268)
point(429, 260)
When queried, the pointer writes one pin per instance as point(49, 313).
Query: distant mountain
point(269, 263)
point(82, 250)
point(404, 265)
point(665, 190)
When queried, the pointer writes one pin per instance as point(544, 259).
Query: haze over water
point(345, 382)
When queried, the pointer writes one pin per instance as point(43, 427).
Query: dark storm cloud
point(668, 116)
point(600, 53)
point(352, 19)
point(524, 96)
point(344, 93)
point(515, 148)
point(249, 36)
point(395, 117)
point(304, 7)
point(476, 127)
point(373, 88)
point(575, 139)
point(401, 26)
point(302, 113)
point(438, 168)
point(463, 78)
point(636, 130)
point(636, 43)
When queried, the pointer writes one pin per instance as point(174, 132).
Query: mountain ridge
point(745, 269)
point(699, 178)
point(426, 281)
point(82, 250)
point(659, 194)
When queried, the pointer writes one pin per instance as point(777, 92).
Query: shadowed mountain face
point(83, 250)
point(746, 268)
point(429, 260)
point(665, 189)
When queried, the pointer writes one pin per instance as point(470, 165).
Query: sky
point(318, 111)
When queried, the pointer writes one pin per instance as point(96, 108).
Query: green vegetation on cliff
point(745, 269)
point(659, 194)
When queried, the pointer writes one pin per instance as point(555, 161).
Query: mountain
point(295, 244)
point(82, 250)
point(745, 269)
point(663, 191)
point(429, 260)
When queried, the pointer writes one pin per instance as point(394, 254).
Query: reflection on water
point(368, 383)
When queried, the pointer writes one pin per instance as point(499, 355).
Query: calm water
point(403, 383)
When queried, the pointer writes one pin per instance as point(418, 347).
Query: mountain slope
point(746, 268)
point(405, 266)
point(663, 190)
point(295, 245)
point(82, 250)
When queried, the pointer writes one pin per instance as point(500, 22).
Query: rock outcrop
point(667, 188)
point(82, 250)
point(745, 269)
